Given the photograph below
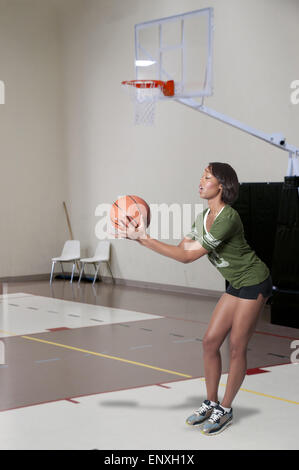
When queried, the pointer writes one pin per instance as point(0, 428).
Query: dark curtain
point(270, 216)
point(285, 271)
point(258, 207)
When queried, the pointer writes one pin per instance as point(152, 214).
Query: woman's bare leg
point(219, 326)
point(246, 315)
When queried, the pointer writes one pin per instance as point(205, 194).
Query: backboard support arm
point(278, 140)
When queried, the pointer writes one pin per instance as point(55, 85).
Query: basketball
point(128, 209)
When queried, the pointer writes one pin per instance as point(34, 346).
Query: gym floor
point(116, 367)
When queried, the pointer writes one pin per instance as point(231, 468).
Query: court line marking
point(150, 367)
point(93, 353)
point(47, 360)
point(8, 333)
point(255, 332)
point(142, 346)
point(22, 295)
point(268, 396)
point(72, 400)
point(262, 394)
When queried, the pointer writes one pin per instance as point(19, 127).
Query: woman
point(218, 232)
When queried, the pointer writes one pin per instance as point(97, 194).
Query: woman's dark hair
point(226, 176)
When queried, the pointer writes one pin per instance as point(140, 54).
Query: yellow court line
point(100, 355)
point(146, 365)
point(107, 357)
point(8, 333)
point(269, 396)
point(261, 394)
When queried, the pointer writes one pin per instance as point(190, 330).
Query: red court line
point(273, 334)
point(72, 401)
point(274, 365)
point(255, 332)
point(119, 390)
point(82, 396)
point(255, 371)
point(58, 329)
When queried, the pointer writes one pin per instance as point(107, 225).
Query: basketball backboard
point(177, 48)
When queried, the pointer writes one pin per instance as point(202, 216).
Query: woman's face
point(209, 186)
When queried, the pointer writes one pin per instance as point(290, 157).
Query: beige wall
point(33, 175)
point(79, 123)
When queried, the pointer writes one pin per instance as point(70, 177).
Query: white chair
point(70, 253)
point(102, 254)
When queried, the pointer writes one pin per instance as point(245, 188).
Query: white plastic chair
point(102, 254)
point(70, 253)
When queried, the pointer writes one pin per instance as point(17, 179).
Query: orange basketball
point(128, 209)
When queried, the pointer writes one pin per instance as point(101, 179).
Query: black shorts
point(252, 292)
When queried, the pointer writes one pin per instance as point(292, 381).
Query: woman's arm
point(186, 252)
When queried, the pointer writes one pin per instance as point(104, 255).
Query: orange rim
point(167, 87)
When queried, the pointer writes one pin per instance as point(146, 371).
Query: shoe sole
point(198, 424)
point(220, 430)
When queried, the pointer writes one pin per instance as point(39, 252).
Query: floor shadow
point(120, 403)
point(192, 403)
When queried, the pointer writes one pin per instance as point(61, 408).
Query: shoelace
point(216, 415)
point(202, 409)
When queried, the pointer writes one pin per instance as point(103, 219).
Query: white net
point(144, 99)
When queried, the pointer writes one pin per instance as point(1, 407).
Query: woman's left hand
point(131, 230)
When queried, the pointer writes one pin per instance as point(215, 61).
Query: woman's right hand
point(131, 231)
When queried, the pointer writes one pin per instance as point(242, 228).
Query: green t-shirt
point(228, 248)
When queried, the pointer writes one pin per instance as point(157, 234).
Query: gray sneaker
point(200, 415)
point(218, 421)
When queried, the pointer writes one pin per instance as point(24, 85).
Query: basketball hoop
point(145, 94)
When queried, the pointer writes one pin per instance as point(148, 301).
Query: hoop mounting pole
point(278, 140)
